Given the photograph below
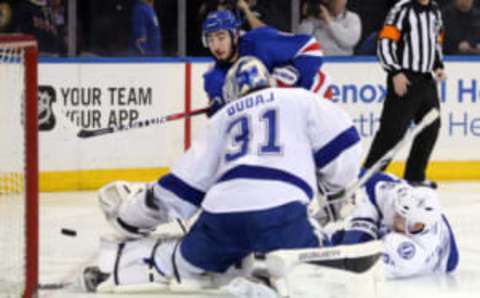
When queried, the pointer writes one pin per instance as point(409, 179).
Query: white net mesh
point(12, 171)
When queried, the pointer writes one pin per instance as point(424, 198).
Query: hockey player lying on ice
point(251, 174)
point(417, 237)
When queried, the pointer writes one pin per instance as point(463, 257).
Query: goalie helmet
point(417, 205)
point(246, 75)
point(218, 21)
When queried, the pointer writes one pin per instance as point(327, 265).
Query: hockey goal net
point(18, 166)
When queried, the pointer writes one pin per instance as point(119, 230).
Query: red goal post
point(18, 165)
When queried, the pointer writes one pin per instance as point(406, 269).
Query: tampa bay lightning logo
point(406, 250)
point(246, 77)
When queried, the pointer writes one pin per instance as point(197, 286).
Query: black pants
point(397, 115)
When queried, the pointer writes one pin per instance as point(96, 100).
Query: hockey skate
point(90, 278)
point(249, 288)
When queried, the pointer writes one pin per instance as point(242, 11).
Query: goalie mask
point(248, 74)
point(417, 205)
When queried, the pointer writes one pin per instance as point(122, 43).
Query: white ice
point(62, 256)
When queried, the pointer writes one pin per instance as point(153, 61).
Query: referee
point(410, 51)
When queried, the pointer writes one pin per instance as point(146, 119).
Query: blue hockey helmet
point(218, 21)
point(248, 74)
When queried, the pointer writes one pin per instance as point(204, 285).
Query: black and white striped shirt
point(412, 38)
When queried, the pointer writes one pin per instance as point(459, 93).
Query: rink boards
point(92, 93)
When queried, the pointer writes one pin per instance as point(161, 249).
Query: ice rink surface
point(61, 256)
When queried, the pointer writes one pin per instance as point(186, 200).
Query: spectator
point(274, 13)
point(5, 16)
point(35, 17)
point(59, 18)
point(444, 3)
point(368, 47)
point(251, 14)
point(372, 14)
point(462, 27)
point(244, 9)
point(145, 39)
point(337, 29)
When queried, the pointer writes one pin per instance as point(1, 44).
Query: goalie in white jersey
point(416, 235)
point(252, 173)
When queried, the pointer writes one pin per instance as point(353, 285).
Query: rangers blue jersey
point(275, 49)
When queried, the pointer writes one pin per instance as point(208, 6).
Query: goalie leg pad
point(133, 263)
point(147, 263)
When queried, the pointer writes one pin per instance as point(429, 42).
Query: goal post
point(18, 166)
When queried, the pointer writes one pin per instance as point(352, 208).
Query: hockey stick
point(357, 258)
point(183, 225)
point(359, 261)
point(54, 286)
point(345, 195)
point(88, 133)
point(426, 121)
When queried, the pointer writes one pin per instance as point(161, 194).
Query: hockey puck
point(68, 232)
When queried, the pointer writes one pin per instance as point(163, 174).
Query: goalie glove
point(286, 76)
point(131, 209)
point(334, 205)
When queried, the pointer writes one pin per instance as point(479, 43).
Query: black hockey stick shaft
point(347, 194)
point(88, 133)
point(426, 121)
point(54, 286)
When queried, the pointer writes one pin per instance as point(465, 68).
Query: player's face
point(424, 2)
point(400, 225)
point(220, 44)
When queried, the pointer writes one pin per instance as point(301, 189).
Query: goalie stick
point(88, 133)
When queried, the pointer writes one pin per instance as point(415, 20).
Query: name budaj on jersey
point(249, 102)
point(267, 150)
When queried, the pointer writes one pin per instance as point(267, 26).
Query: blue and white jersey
point(262, 151)
point(432, 250)
point(275, 49)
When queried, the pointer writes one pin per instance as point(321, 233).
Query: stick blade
point(84, 133)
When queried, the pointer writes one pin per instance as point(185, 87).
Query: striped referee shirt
point(412, 38)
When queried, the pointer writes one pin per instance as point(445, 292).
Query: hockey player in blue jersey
point(417, 237)
point(294, 60)
point(251, 174)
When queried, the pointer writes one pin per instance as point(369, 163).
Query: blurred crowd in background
point(150, 27)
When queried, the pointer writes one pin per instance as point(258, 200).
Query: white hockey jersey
point(432, 250)
point(262, 151)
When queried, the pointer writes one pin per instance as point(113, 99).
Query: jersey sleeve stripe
point(319, 81)
point(265, 173)
point(181, 189)
point(452, 261)
point(337, 146)
point(312, 48)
